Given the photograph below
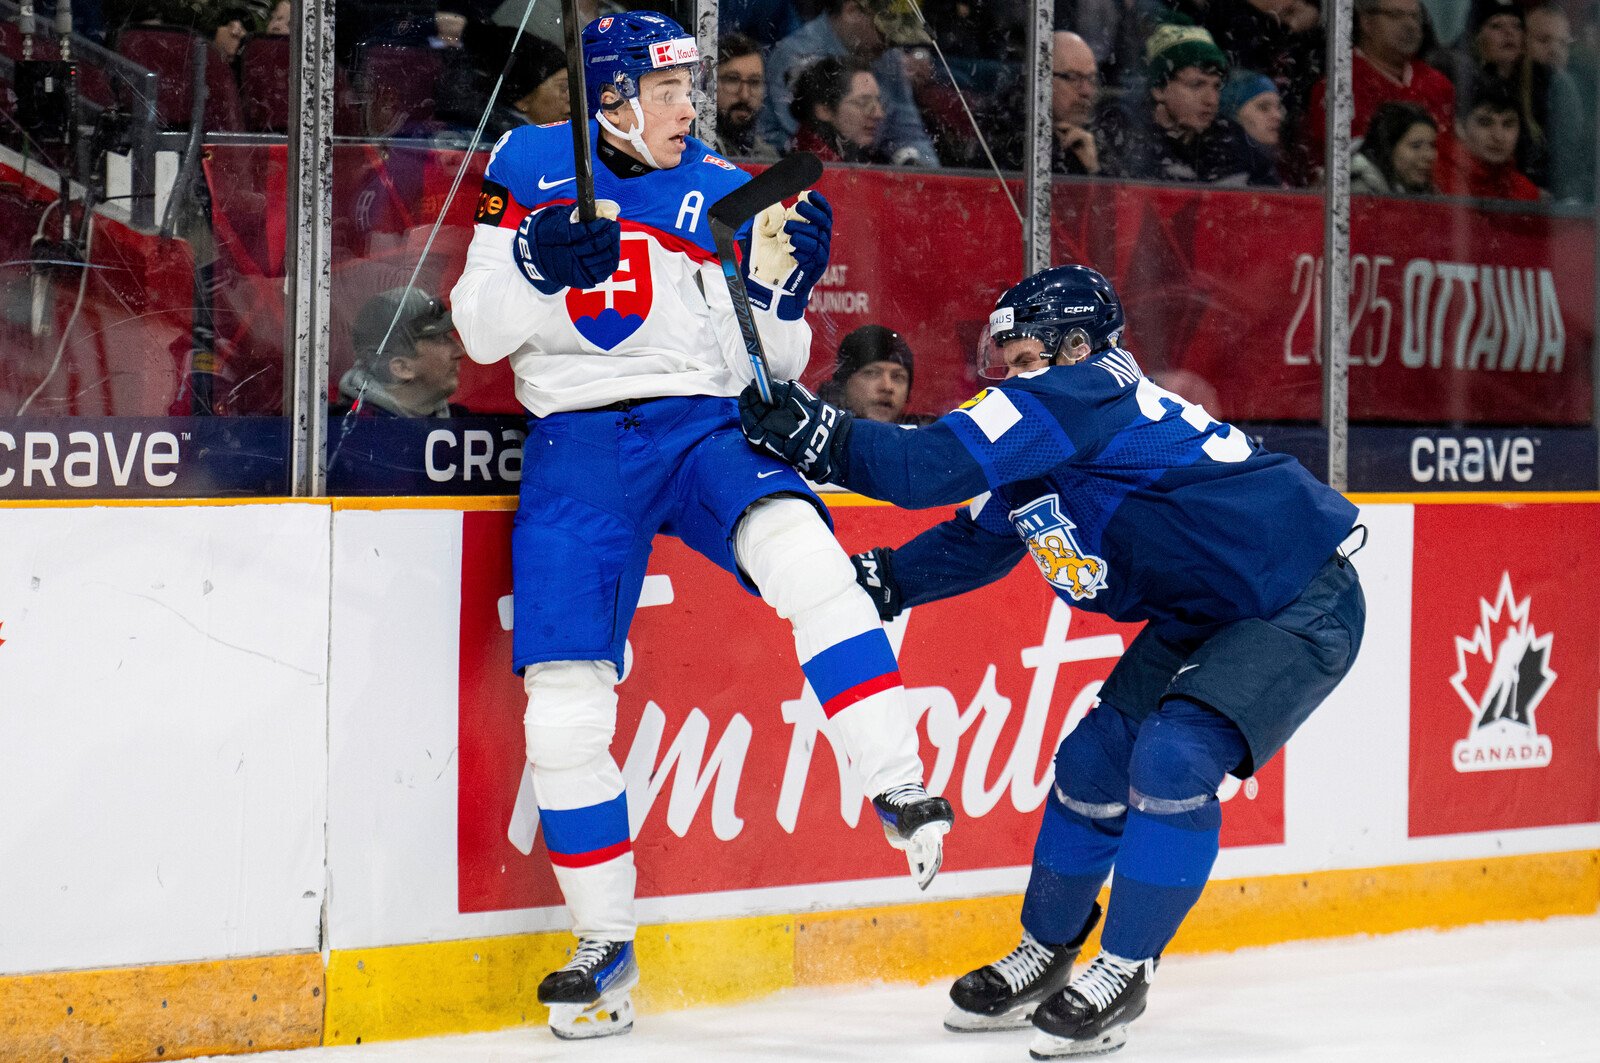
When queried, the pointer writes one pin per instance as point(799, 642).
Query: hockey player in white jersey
point(627, 354)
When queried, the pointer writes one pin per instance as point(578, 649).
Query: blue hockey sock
point(1174, 822)
point(1057, 902)
point(1083, 825)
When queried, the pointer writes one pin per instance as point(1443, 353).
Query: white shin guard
point(571, 715)
point(805, 575)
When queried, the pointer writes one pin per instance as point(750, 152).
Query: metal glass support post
point(310, 250)
point(1594, 345)
point(1336, 247)
point(1041, 134)
point(706, 31)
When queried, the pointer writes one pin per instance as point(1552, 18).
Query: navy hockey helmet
point(619, 50)
point(1060, 307)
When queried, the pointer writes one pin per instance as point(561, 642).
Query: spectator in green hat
point(1174, 130)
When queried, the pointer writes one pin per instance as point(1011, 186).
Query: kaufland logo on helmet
point(673, 52)
point(1503, 672)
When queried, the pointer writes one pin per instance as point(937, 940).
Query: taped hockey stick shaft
point(577, 105)
point(784, 179)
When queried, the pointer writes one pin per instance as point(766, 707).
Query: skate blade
point(924, 849)
point(924, 852)
point(1049, 1046)
point(960, 1020)
point(609, 1016)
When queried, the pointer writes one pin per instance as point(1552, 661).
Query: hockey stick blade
point(784, 179)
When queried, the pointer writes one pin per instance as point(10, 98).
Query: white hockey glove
point(788, 254)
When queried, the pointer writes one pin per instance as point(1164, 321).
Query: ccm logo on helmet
point(671, 53)
point(1077, 309)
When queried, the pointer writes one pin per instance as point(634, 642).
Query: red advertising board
point(734, 786)
point(1457, 313)
point(1505, 668)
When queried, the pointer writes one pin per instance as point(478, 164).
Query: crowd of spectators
point(1217, 91)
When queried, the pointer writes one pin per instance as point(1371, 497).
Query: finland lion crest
point(1065, 565)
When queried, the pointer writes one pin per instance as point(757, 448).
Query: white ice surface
point(1506, 992)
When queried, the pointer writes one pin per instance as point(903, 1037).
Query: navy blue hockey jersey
point(1132, 501)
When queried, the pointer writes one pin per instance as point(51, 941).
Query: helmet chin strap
point(634, 136)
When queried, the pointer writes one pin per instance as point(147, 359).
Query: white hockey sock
point(583, 809)
point(803, 573)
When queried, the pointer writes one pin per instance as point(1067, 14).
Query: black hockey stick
point(577, 105)
point(788, 177)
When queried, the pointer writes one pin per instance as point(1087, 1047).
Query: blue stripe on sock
point(583, 830)
point(1071, 844)
point(1165, 855)
point(850, 663)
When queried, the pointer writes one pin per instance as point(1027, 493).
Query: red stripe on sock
point(846, 698)
point(592, 857)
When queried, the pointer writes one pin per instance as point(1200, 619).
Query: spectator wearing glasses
point(1398, 154)
point(1174, 131)
point(1388, 36)
point(839, 111)
point(1075, 86)
point(741, 90)
point(866, 32)
point(411, 374)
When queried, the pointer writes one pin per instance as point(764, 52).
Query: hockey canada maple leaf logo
point(1502, 673)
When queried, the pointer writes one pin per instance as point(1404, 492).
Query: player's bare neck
point(619, 158)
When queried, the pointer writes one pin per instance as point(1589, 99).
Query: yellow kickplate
point(129, 1014)
point(1383, 900)
point(404, 991)
point(944, 939)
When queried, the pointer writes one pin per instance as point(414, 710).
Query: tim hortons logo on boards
point(980, 788)
point(727, 756)
point(1502, 673)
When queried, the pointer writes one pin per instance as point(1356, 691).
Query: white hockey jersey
point(662, 324)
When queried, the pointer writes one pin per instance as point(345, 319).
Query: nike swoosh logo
point(769, 472)
point(1184, 669)
point(546, 187)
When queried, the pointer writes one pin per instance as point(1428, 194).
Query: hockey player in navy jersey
point(623, 341)
point(1136, 504)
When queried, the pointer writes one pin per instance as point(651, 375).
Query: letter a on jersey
point(1048, 533)
point(614, 309)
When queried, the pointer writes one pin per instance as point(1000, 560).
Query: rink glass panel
point(924, 251)
point(143, 344)
point(1472, 326)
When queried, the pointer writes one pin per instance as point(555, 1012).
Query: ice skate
point(1090, 1017)
point(916, 824)
point(592, 995)
point(1003, 995)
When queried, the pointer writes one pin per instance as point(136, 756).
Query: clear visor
point(1019, 353)
point(673, 87)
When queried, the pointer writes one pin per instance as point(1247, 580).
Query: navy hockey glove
point(798, 427)
point(875, 573)
point(554, 251)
